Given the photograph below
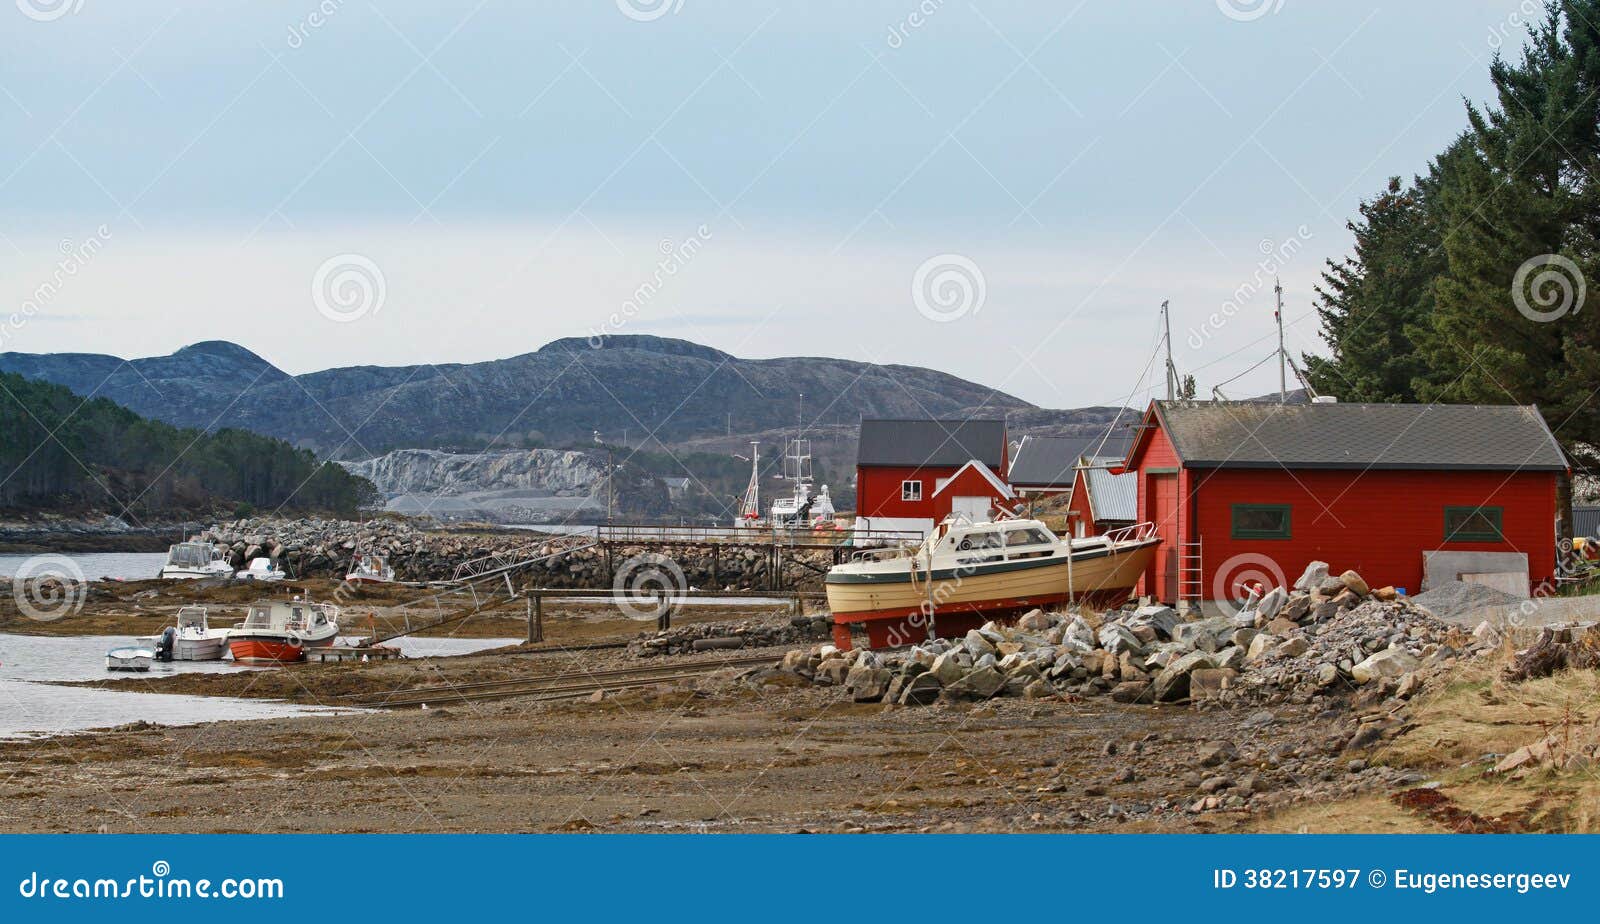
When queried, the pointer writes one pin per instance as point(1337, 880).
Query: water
point(123, 566)
point(30, 707)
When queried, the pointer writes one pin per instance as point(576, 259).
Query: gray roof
point(1111, 497)
point(1239, 434)
point(1586, 521)
point(931, 442)
point(1046, 461)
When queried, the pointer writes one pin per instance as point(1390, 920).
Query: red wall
point(878, 490)
point(970, 484)
point(1156, 452)
point(1078, 509)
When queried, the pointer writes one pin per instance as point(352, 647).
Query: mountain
point(626, 387)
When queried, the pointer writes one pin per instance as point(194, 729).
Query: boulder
point(1330, 586)
point(947, 668)
point(867, 684)
point(1386, 594)
point(1388, 664)
point(980, 683)
point(1260, 645)
point(1292, 648)
point(1353, 582)
point(1116, 638)
point(1160, 618)
point(1272, 603)
point(1230, 657)
point(1035, 621)
point(1173, 681)
point(920, 690)
point(1327, 674)
point(1131, 691)
point(1297, 609)
point(976, 644)
point(1314, 575)
point(1210, 683)
point(833, 671)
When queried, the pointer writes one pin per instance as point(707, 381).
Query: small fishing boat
point(194, 560)
point(261, 569)
point(965, 573)
point(280, 631)
point(129, 658)
point(192, 639)
point(370, 569)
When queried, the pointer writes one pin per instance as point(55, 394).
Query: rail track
point(570, 686)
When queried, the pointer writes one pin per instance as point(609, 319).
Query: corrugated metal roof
point(1046, 461)
point(1111, 497)
point(1586, 521)
point(931, 442)
point(1239, 434)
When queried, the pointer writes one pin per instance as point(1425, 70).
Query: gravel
point(1454, 599)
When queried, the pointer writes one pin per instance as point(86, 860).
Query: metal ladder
point(1191, 574)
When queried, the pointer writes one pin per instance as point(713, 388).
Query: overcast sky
point(1001, 190)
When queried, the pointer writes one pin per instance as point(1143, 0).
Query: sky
point(1005, 191)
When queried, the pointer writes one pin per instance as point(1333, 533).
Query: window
point(1473, 524)
point(911, 490)
point(1026, 536)
point(1261, 521)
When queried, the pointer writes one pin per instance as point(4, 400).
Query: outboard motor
point(166, 642)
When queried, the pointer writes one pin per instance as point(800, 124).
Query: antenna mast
point(1172, 370)
point(1283, 374)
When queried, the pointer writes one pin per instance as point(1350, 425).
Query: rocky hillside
point(557, 395)
point(523, 485)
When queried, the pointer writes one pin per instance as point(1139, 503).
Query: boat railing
point(884, 554)
point(1137, 532)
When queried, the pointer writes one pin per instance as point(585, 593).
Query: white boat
point(965, 573)
point(192, 560)
point(261, 569)
point(282, 630)
point(192, 639)
point(370, 569)
point(129, 659)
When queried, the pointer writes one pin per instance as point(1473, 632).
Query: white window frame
point(911, 489)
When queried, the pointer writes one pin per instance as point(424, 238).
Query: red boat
point(281, 631)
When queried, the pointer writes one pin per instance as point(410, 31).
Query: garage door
point(975, 509)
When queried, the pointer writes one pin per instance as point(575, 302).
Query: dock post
point(663, 610)
point(535, 617)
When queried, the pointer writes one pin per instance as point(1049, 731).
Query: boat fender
point(166, 643)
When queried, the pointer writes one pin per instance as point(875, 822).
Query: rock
point(1324, 611)
point(1230, 657)
point(833, 671)
point(1116, 638)
point(1292, 648)
point(976, 644)
point(1282, 626)
point(1346, 599)
point(1215, 754)
point(1243, 637)
point(1272, 603)
point(1330, 586)
point(947, 668)
point(1035, 621)
point(980, 683)
point(1410, 685)
point(1327, 674)
point(1314, 575)
point(1211, 684)
point(1387, 664)
point(1354, 583)
point(920, 690)
point(1039, 689)
point(1260, 645)
point(1385, 594)
point(1131, 691)
point(1215, 783)
point(1160, 618)
point(1173, 682)
point(868, 684)
point(1297, 609)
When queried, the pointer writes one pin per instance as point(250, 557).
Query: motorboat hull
point(904, 606)
point(194, 574)
point(129, 659)
point(272, 648)
point(211, 648)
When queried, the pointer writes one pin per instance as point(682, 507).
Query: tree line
point(1467, 283)
point(61, 452)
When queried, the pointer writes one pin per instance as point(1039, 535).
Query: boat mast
point(1172, 370)
point(751, 508)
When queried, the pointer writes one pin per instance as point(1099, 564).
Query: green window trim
point(1282, 530)
point(1458, 528)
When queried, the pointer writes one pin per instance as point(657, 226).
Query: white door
point(975, 508)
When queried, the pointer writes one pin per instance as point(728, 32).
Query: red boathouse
point(1248, 491)
point(910, 474)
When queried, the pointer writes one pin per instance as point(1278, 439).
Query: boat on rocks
point(280, 631)
point(195, 560)
point(129, 658)
point(370, 569)
point(262, 569)
point(965, 573)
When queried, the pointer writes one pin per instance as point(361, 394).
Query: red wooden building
point(1048, 466)
point(910, 474)
point(1242, 490)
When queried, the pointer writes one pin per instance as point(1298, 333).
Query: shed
point(902, 465)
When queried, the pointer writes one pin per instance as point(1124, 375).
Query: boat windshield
point(1027, 535)
point(190, 554)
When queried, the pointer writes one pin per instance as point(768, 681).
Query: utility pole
point(1172, 370)
point(1277, 314)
